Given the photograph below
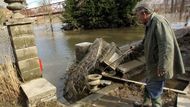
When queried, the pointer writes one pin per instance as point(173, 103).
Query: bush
point(91, 14)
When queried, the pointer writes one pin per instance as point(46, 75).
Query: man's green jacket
point(161, 49)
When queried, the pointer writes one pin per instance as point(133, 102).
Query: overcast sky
point(31, 3)
point(35, 3)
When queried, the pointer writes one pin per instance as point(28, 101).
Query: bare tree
point(46, 7)
point(176, 5)
point(181, 8)
point(172, 6)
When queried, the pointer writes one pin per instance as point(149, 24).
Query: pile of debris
point(104, 59)
point(100, 54)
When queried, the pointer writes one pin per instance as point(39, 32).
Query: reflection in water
point(56, 49)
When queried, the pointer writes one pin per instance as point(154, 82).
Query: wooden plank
point(140, 83)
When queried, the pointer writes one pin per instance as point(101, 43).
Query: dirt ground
point(135, 93)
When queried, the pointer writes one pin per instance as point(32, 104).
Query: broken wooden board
point(113, 56)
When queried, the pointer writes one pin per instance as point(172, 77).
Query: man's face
point(142, 17)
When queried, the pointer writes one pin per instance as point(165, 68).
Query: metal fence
point(5, 45)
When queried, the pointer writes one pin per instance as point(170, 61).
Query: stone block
point(26, 53)
point(183, 100)
point(23, 42)
point(39, 90)
point(81, 49)
point(28, 64)
point(18, 21)
point(21, 29)
point(31, 74)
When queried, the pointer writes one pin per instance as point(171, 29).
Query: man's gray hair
point(143, 7)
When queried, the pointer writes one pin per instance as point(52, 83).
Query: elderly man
point(162, 54)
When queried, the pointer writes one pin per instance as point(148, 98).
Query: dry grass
point(9, 83)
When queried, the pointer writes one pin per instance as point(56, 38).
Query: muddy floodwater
point(57, 49)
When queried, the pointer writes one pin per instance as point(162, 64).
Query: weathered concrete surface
point(19, 21)
point(26, 53)
point(23, 42)
point(183, 100)
point(111, 101)
point(81, 49)
point(94, 97)
point(126, 67)
point(29, 68)
point(29, 64)
point(102, 99)
point(19, 31)
point(39, 90)
point(107, 101)
point(31, 74)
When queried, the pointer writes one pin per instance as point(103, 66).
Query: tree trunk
point(172, 6)
point(176, 7)
point(181, 9)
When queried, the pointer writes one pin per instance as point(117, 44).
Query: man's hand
point(161, 72)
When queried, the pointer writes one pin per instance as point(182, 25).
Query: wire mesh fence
point(5, 45)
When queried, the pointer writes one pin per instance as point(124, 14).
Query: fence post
point(23, 42)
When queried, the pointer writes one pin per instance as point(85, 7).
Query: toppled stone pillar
point(23, 42)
